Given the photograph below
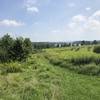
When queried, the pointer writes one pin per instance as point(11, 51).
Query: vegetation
point(70, 73)
point(83, 61)
point(96, 49)
point(14, 49)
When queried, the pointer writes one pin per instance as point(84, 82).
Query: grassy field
point(53, 74)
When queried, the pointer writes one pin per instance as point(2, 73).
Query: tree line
point(43, 45)
point(14, 49)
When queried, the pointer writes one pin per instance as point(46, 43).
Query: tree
point(6, 43)
point(94, 42)
point(83, 42)
point(96, 49)
point(17, 50)
point(21, 49)
point(14, 49)
point(27, 45)
point(3, 55)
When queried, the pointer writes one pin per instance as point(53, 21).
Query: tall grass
point(81, 60)
point(40, 79)
point(10, 68)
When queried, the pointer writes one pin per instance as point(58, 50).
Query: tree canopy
point(14, 49)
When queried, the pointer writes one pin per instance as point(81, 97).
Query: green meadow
point(70, 73)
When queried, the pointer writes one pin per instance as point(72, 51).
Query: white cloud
point(93, 24)
point(88, 8)
point(33, 9)
point(92, 21)
point(96, 15)
point(29, 3)
point(85, 27)
point(71, 4)
point(31, 6)
point(79, 18)
point(13, 23)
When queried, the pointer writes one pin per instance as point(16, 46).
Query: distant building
point(79, 45)
point(60, 45)
point(55, 44)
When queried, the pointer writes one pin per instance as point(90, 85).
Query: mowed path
point(41, 80)
point(76, 86)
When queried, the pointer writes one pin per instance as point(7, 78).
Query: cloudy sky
point(51, 20)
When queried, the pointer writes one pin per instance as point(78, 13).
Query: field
point(53, 74)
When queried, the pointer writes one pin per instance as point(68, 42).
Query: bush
point(97, 60)
point(77, 49)
point(3, 56)
point(89, 70)
point(82, 60)
point(96, 49)
point(55, 61)
point(89, 48)
point(14, 49)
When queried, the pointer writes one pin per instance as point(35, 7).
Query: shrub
point(89, 48)
point(5, 43)
point(17, 50)
point(89, 70)
point(3, 56)
point(96, 49)
point(81, 60)
point(14, 49)
point(97, 60)
point(77, 49)
point(55, 61)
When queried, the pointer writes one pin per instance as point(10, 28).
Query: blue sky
point(51, 20)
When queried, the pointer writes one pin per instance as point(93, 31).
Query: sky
point(51, 20)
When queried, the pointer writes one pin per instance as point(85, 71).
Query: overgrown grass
point(41, 78)
point(78, 59)
point(35, 79)
point(10, 68)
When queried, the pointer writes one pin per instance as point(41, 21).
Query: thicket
point(96, 49)
point(14, 49)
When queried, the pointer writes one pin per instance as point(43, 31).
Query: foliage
point(82, 61)
point(14, 49)
point(6, 42)
point(11, 68)
point(96, 49)
point(3, 55)
point(41, 80)
point(49, 74)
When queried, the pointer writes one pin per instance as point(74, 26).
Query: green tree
point(6, 43)
point(83, 42)
point(96, 49)
point(95, 42)
point(17, 50)
point(27, 45)
point(21, 49)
